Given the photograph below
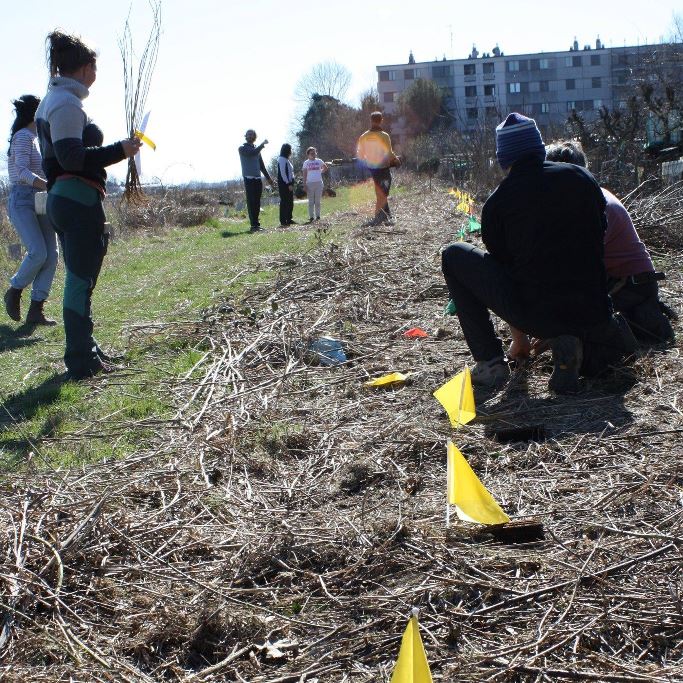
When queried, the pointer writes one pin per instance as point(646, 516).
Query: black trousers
point(286, 203)
point(382, 179)
point(639, 304)
point(75, 210)
point(478, 283)
point(253, 188)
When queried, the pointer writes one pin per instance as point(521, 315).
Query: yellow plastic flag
point(391, 378)
point(412, 665)
point(473, 502)
point(457, 397)
point(464, 206)
point(141, 136)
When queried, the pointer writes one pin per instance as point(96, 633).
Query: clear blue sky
point(227, 65)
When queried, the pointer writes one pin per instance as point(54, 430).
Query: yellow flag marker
point(141, 136)
point(412, 665)
point(391, 378)
point(457, 397)
point(473, 502)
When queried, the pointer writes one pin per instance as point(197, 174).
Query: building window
point(595, 60)
point(409, 74)
point(623, 60)
point(534, 86)
point(470, 69)
point(441, 71)
point(596, 82)
point(544, 86)
point(597, 104)
point(491, 112)
point(514, 87)
point(535, 64)
point(544, 63)
point(472, 113)
point(470, 91)
point(383, 75)
point(570, 84)
point(621, 79)
point(513, 65)
point(571, 105)
point(488, 67)
point(389, 96)
point(572, 61)
point(545, 108)
point(622, 104)
point(489, 90)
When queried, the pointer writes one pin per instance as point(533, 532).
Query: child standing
point(313, 169)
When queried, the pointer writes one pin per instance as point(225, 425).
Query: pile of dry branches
point(290, 519)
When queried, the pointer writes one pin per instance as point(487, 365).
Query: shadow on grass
point(16, 338)
point(25, 404)
point(234, 233)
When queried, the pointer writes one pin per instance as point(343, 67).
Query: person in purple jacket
point(632, 279)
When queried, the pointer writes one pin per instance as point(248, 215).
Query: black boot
point(13, 303)
point(36, 315)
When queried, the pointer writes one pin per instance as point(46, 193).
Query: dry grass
point(289, 518)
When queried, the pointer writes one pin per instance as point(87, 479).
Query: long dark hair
point(25, 113)
point(66, 53)
point(286, 150)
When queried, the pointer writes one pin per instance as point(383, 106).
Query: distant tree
point(330, 126)
point(421, 105)
point(326, 78)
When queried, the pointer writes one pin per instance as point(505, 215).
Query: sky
point(226, 66)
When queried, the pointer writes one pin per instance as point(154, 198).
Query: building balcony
point(469, 79)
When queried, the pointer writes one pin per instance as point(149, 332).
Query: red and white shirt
point(314, 170)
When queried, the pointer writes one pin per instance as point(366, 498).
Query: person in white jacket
point(313, 169)
point(24, 165)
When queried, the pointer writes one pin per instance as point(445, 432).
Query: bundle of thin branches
point(137, 76)
point(658, 214)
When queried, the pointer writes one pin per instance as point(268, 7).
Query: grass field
point(147, 281)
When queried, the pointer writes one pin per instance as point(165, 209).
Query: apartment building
point(547, 85)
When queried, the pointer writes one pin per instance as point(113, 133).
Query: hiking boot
point(490, 374)
point(36, 315)
point(567, 359)
point(13, 303)
point(607, 344)
point(649, 322)
point(255, 228)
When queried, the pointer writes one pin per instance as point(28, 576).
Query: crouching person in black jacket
point(543, 271)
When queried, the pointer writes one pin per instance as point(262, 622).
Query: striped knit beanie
point(517, 137)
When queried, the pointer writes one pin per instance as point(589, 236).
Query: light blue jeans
point(40, 240)
point(314, 191)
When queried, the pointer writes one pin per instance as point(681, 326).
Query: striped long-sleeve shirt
point(24, 163)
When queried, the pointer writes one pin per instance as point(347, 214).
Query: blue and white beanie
point(517, 137)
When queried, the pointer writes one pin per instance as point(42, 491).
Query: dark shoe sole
point(567, 359)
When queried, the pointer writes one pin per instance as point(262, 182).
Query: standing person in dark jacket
point(285, 184)
point(544, 270)
point(252, 167)
point(74, 160)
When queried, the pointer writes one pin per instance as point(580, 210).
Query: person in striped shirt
point(26, 176)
